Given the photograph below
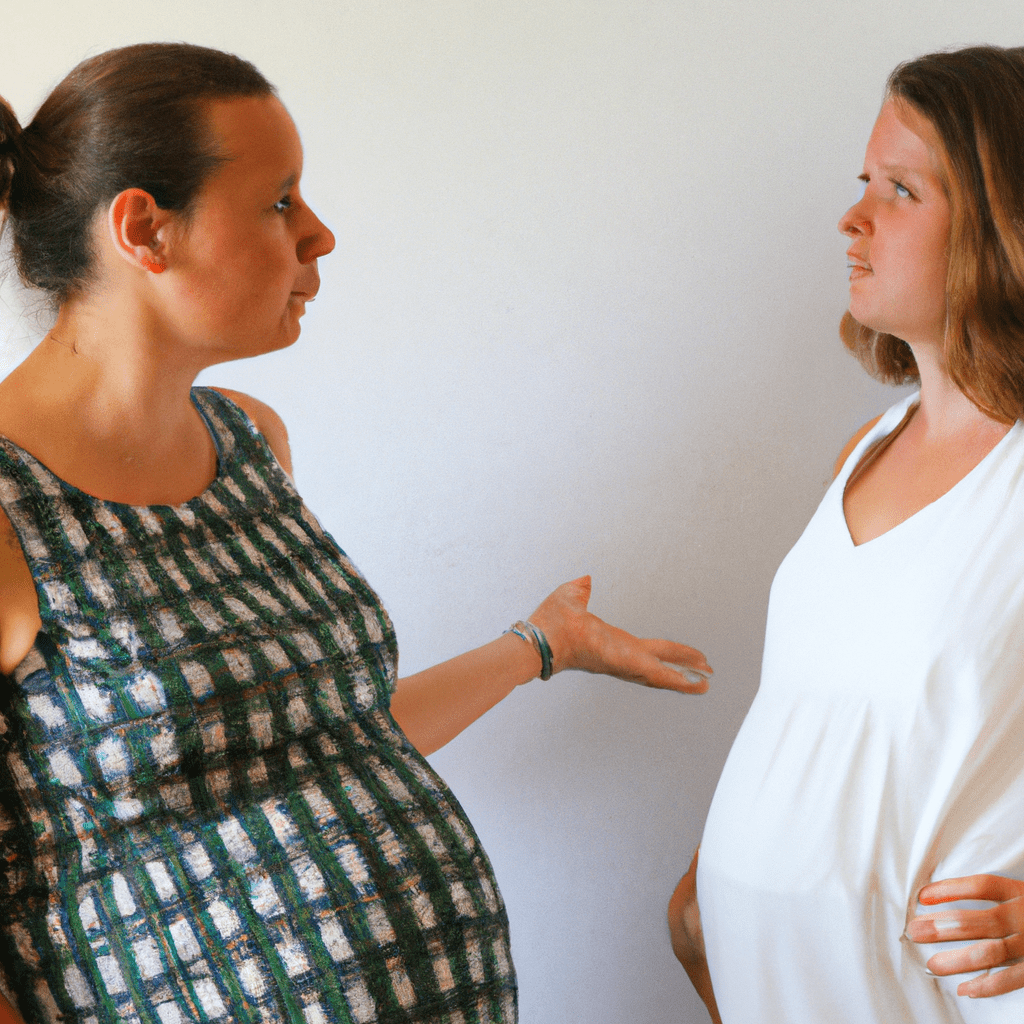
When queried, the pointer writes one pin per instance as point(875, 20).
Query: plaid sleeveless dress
point(207, 812)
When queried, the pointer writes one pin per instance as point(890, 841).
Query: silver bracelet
point(535, 637)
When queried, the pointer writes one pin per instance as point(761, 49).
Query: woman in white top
point(880, 771)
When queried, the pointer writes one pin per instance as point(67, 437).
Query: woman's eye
point(901, 190)
point(283, 204)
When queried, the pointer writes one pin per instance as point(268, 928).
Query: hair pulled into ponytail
point(133, 117)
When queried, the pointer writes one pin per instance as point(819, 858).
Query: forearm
point(435, 705)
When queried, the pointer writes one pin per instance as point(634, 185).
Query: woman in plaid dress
point(215, 805)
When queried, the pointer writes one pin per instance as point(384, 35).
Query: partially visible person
point(881, 765)
point(215, 805)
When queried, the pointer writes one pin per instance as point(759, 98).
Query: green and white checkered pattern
point(209, 813)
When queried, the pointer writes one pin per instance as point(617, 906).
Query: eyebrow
point(897, 169)
point(288, 183)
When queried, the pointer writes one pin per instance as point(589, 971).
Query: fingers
point(576, 592)
point(581, 640)
point(992, 923)
point(685, 670)
point(689, 667)
point(979, 956)
point(678, 654)
point(582, 587)
point(668, 676)
point(971, 887)
point(695, 677)
point(1000, 929)
point(994, 983)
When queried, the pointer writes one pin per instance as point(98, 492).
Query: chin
point(286, 340)
point(265, 346)
point(869, 318)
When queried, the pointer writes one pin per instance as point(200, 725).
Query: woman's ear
point(136, 226)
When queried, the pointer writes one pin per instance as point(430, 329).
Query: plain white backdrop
point(582, 317)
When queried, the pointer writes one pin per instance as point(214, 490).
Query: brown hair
point(128, 118)
point(974, 100)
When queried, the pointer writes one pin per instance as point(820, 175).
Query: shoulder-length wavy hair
point(974, 100)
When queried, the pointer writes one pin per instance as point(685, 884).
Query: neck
point(111, 370)
point(119, 348)
point(104, 401)
point(945, 409)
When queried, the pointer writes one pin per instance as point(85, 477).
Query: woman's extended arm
point(435, 705)
point(999, 929)
point(688, 937)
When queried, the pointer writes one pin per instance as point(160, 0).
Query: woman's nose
point(854, 222)
point(316, 242)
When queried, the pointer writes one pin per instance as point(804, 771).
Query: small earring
point(153, 265)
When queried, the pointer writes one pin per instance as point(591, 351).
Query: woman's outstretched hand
point(999, 930)
point(435, 705)
point(580, 640)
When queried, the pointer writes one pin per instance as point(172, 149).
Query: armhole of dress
point(240, 428)
point(17, 474)
point(19, 478)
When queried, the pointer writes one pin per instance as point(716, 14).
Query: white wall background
point(581, 318)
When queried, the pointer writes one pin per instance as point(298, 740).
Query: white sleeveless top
point(884, 750)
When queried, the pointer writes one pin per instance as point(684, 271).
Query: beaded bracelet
point(537, 640)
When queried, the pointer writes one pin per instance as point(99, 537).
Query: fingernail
point(693, 675)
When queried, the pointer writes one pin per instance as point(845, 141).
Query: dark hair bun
point(127, 118)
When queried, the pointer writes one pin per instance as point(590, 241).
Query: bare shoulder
point(852, 443)
point(269, 424)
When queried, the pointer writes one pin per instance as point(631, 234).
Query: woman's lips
point(858, 267)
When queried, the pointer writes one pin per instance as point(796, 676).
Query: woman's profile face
point(899, 231)
point(244, 263)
